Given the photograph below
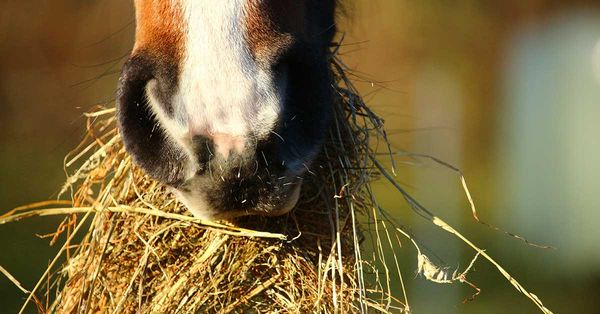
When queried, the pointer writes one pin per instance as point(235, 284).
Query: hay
point(132, 248)
point(140, 250)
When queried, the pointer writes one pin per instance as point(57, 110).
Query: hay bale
point(132, 248)
point(143, 253)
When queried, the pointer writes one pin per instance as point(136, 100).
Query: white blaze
point(222, 90)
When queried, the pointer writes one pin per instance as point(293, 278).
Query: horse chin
point(201, 209)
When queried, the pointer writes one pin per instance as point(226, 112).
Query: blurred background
point(508, 91)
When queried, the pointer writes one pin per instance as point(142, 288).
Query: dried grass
point(130, 247)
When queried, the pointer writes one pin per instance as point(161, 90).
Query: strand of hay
point(130, 247)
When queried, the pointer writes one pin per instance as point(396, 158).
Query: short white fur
point(222, 90)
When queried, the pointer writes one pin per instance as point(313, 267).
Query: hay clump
point(140, 251)
point(130, 247)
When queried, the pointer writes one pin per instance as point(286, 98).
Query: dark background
point(509, 91)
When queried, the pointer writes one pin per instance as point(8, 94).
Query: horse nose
point(226, 143)
point(223, 144)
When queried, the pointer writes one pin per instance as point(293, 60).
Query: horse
point(228, 102)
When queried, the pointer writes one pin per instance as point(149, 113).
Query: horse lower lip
point(287, 206)
point(290, 202)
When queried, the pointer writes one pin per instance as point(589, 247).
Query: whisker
point(308, 169)
point(280, 137)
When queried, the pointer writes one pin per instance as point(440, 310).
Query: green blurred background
point(509, 91)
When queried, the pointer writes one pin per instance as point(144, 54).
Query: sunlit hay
point(130, 247)
point(141, 251)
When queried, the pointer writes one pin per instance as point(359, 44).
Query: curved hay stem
point(67, 243)
point(473, 208)
point(443, 225)
point(231, 230)
point(13, 280)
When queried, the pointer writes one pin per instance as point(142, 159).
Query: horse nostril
point(140, 132)
point(201, 143)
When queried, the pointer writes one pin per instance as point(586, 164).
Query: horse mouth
point(280, 210)
point(224, 203)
